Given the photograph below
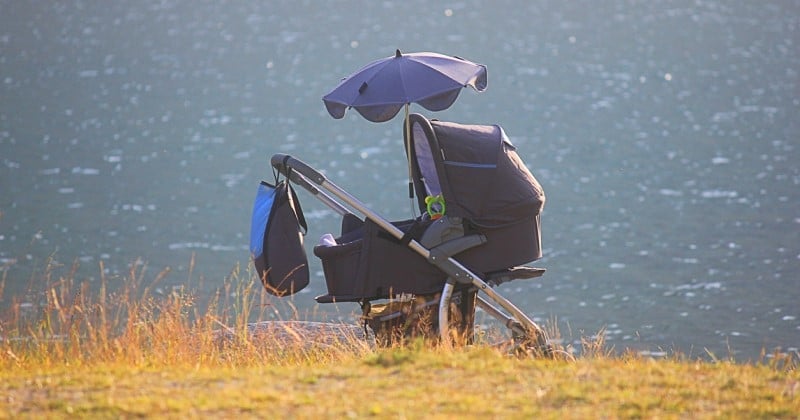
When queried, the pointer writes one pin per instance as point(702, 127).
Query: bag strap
point(298, 211)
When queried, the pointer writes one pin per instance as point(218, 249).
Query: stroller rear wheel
point(410, 317)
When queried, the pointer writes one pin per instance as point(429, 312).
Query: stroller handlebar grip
point(283, 163)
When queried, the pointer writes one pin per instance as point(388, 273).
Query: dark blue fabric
point(381, 88)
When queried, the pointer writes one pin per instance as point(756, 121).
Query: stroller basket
point(396, 320)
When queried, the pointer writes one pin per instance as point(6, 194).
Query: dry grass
point(66, 323)
point(134, 351)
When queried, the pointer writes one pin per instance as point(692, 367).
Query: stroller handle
point(283, 163)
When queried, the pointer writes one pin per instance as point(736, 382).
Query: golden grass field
point(137, 351)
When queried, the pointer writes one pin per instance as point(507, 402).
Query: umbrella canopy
point(380, 89)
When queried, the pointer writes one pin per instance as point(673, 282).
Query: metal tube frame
point(444, 311)
point(304, 175)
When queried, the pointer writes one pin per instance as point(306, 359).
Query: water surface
point(665, 135)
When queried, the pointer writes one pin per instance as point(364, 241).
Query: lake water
point(666, 136)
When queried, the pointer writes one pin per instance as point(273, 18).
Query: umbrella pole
point(407, 143)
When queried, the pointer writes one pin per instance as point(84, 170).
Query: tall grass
point(143, 324)
point(140, 322)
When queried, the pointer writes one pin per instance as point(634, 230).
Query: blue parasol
point(379, 89)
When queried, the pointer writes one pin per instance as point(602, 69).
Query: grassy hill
point(133, 352)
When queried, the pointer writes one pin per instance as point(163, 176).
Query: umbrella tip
point(397, 54)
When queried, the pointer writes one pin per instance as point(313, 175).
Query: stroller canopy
point(476, 169)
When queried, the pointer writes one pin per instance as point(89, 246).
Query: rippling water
point(665, 134)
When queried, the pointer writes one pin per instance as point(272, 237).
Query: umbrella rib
point(403, 83)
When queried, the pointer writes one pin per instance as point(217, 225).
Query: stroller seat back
point(477, 170)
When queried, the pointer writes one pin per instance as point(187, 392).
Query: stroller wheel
point(540, 346)
point(531, 343)
point(395, 322)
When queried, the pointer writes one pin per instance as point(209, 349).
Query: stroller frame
point(523, 329)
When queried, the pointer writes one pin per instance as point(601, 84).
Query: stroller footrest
point(328, 298)
point(497, 278)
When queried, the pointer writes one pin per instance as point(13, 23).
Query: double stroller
point(480, 219)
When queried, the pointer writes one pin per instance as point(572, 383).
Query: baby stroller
point(479, 223)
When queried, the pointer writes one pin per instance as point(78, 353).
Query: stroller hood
point(476, 169)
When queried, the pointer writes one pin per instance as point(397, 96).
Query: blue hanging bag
point(276, 239)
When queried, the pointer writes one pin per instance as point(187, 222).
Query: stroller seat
point(479, 203)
